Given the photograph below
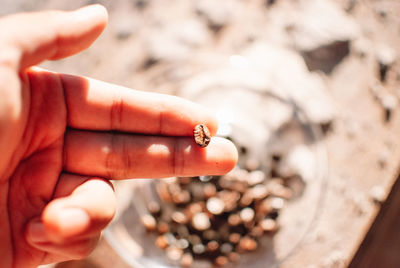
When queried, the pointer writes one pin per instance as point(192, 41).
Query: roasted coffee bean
point(201, 221)
point(194, 239)
point(149, 222)
point(234, 238)
point(258, 192)
point(179, 217)
point(221, 261)
point(174, 253)
point(187, 260)
point(202, 135)
point(163, 193)
point(226, 248)
point(182, 243)
point(212, 246)
point(162, 227)
point(209, 190)
point(210, 235)
point(199, 249)
point(247, 244)
point(182, 197)
point(234, 257)
point(256, 231)
point(194, 208)
point(252, 163)
point(154, 207)
point(256, 177)
point(230, 199)
point(218, 217)
point(215, 205)
point(234, 220)
point(161, 242)
point(269, 225)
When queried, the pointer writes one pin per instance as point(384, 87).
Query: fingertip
point(61, 222)
point(83, 26)
point(95, 11)
point(213, 124)
point(223, 154)
point(36, 232)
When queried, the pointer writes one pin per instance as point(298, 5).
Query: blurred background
point(335, 60)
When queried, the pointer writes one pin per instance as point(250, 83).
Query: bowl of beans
point(257, 215)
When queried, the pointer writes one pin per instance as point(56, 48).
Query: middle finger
point(124, 156)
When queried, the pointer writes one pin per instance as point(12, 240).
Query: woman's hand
point(63, 137)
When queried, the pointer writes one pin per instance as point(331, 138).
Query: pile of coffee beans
point(217, 218)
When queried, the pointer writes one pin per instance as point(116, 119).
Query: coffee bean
point(161, 242)
point(221, 261)
point(187, 260)
point(201, 221)
point(149, 222)
point(202, 135)
point(215, 205)
point(174, 253)
point(219, 217)
point(247, 244)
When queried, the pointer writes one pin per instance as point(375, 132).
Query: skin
point(63, 137)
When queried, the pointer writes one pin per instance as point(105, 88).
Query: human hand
point(63, 137)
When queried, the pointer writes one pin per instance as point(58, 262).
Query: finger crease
point(110, 156)
point(177, 160)
point(116, 113)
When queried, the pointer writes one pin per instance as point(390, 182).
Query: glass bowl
point(263, 126)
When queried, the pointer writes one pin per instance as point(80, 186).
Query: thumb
point(34, 37)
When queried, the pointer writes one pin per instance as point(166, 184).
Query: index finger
point(96, 105)
point(30, 38)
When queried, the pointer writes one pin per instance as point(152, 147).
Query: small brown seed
point(234, 238)
point(209, 190)
point(215, 205)
point(269, 225)
point(252, 164)
point(234, 220)
point(182, 243)
point(163, 193)
point(201, 221)
point(259, 191)
point(174, 253)
point(247, 214)
point(221, 261)
point(198, 249)
point(179, 217)
point(149, 222)
point(212, 246)
point(194, 239)
point(202, 135)
point(226, 248)
point(162, 227)
point(234, 256)
point(161, 242)
point(187, 260)
point(194, 208)
point(154, 207)
point(256, 177)
point(256, 231)
point(182, 197)
point(247, 244)
point(210, 234)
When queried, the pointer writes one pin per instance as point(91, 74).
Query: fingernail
point(73, 221)
point(92, 10)
point(36, 232)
